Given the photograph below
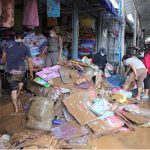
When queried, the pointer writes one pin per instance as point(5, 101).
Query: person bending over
point(137, 74)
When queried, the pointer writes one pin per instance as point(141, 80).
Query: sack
point(52, 93)
point(43, 126)
point(41, 114)
point(42, 109)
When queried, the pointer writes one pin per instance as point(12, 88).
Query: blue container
point(58, 122)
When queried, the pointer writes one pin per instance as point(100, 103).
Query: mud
point(138, 139)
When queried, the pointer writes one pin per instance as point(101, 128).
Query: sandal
point(145, 97)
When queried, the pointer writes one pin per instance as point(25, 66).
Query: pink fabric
point(49, 73)
point(7, 13)
point(114, 121)
point(30, 15)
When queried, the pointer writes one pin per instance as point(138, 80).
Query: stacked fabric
point(88, 42)
point(36, 43)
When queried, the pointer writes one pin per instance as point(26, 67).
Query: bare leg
point(14, 99)
point(19, 89)
point(20, 86)
point(146, 92)
point(138, 97)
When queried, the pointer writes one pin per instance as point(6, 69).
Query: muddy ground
point(138, 139)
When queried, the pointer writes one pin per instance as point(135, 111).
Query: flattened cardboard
point(69, 130)
point(100, 127)
point(78, 105)
point(136, 118)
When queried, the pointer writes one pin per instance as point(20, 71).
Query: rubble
point(80, 106)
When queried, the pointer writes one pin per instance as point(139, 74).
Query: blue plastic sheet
point(116, 80)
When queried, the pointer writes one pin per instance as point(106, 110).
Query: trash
point(5, 142)
point(80, 79)
point(52, 93)
point(78, 105)
point(41, 114)
point(106, 124)
point(67, 115)
point(128, 94)
point(41, 82)
point(26, 107)
point(64, 74)
point(100, 106)
point(30, 138)
point(109, 70)
point(98, 80)
point(83, 140)
point(119, 97)
point(136, 118)
point(64, 90)
point(69, 130)
point(106, 94)
point(58, 109)
point(84, 85)
point(116, 80)
point(58, 121)
point(6, 137)
point(49, 73)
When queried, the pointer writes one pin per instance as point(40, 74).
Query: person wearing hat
point(100, 59)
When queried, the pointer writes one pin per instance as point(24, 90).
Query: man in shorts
point(138, 74)
point(14, 57)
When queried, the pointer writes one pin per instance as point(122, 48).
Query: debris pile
point(73, 106)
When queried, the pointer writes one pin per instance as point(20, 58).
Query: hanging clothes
point(7, 17)
point(30, 14)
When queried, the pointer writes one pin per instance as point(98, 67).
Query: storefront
point(79, 24)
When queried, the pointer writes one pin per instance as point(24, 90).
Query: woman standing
point(53, 48)
point(146, 61)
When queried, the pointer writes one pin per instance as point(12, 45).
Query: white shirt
point(138, 64)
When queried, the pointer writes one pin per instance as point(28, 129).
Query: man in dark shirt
point(100, 59)
point(14, 57)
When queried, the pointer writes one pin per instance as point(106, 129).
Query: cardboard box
point(78, 105)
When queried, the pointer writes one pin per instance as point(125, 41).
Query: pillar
point(75, 26)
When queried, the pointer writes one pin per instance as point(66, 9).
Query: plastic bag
point(100, 106)
point(42, 109)
point(116, 80)
point(69, 130)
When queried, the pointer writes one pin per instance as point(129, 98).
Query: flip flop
point(64, 74)
point(145, 97)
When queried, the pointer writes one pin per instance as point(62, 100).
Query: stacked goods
point(87, 41)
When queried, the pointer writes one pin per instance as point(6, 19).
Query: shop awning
point(109, 7)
